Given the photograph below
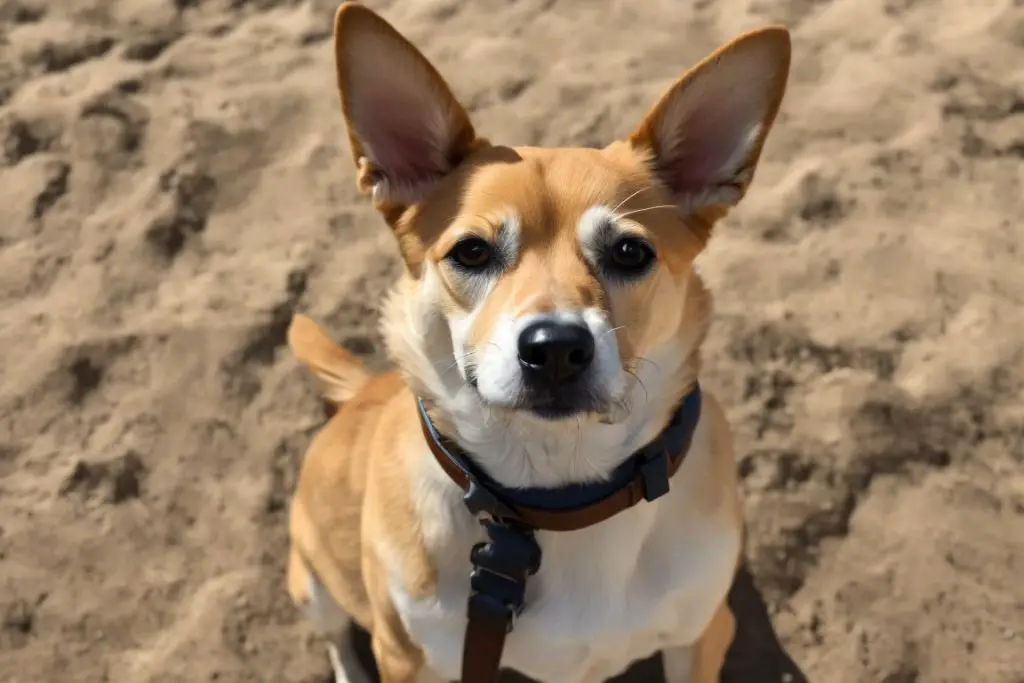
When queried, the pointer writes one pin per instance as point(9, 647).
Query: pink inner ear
point(706, 149)
point(402, 132)
point(400, 143)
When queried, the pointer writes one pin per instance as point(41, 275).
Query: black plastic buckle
point(501, 567)
point(654, 472)
point(479, 501)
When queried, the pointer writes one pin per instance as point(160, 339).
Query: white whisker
point(646, 208)
point(619, 205)
point(458, 359)
point(611, 331)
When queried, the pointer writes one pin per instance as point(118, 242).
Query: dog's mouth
point(561, 403)
point(548, 403)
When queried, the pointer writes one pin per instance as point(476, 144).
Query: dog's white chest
point(604, 598)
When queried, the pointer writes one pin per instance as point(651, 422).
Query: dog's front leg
point(398, 658)
point(398, 661)
point(702, 662)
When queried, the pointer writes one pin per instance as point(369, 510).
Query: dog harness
point(511, 516)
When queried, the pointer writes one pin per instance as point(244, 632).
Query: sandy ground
point(174, 182)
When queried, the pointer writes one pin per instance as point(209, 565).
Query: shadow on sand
point(756, 656)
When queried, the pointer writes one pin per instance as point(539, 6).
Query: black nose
point(554, 351)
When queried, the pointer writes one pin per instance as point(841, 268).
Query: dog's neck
point(519, 450)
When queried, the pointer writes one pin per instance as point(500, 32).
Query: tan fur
point(712, 647)
point(340, 374)
point(356, 521)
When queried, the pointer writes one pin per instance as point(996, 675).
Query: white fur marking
point(589, 224)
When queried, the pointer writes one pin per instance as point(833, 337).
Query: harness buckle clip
point(654, 475)
point(501, 567)
point(480, 501)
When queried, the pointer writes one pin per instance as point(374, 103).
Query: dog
point(546, 328)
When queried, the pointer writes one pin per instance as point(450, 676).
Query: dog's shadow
point(756, 656)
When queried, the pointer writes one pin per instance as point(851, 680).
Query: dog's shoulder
point(339, 455)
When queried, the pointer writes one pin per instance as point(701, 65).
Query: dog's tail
point(339, 374)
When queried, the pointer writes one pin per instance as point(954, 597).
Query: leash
point(502, 565)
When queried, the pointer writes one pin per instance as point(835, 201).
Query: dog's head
point(543, 278)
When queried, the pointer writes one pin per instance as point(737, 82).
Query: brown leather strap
point(501, 567)
point(561, 520)
point(483, 646)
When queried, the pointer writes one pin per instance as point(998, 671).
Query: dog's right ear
point(405, 127)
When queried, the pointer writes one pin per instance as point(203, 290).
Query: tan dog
point(550, 320)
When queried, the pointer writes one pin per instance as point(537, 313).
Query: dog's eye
point(630, 255)
point(471, 253)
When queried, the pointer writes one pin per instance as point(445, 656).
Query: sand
point(175, 182)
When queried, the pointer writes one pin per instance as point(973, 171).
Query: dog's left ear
point(704, 137)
